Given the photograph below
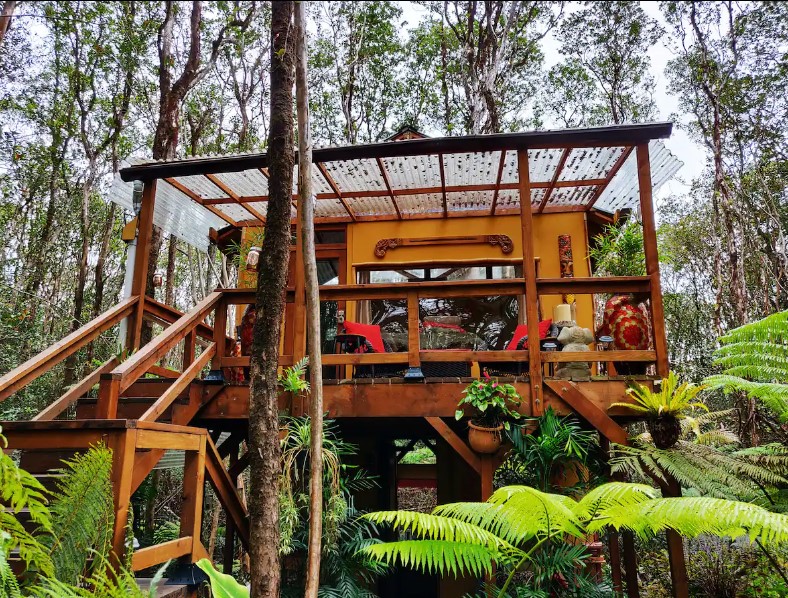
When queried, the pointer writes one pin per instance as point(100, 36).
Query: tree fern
point(82, 513)
point(754, 360)
point(437, 556)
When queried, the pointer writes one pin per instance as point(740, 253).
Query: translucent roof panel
point(174, 212)
point(235, 211)
point(622, 192)
point(475, 168)
point(319, 182)
point(468, 201)
point(371, 206)
point(330, 208)
point(357, 175)
point(247, 183)
point(585, 163)
point(413, 172)
point(424, 203)
point(571, 196)
point(203, 187)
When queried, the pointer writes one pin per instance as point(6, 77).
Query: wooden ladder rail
point(127, 373)
point(53, 355)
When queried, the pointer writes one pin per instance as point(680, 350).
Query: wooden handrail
point(77, 391)
point(166, 314)
point(138, 364)
point(50, 357)
point(164, 401)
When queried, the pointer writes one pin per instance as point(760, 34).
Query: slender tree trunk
point(5, 18)
point(169, 283)
point(99, 274)
point(307, 214)
point(272, 277)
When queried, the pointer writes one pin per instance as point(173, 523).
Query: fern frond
point(82, 513)
point(610, 495)
point(437, 556)
point(693, 516)
point(773, 394)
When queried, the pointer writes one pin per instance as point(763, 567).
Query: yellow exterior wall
point(363, 236)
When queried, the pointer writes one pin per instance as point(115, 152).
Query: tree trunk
point(5, 18)
point(99, 275)
point(169, 283)
point(307, 219)
point(272, 277)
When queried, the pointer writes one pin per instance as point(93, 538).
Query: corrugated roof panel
point(541, 165)
point(201, 186)
point(319, 183)
point(413, 172)
point(425, 203)
point(460, 201)
point(330, 208)
point(235, 211)
point(472, 168)
point(570, 196)
point(174, 212)
point(622, 192)
point(371, 206)
point(248, 183)
point(260, 206)
point(589, 163)
point(356, 175)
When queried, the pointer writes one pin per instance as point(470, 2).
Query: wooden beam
point(226, 492)
point(234, 196)
point(168, 440)
point(193, 489)
point(166, 315)
point(54, 354)
point(76, 392)
point(529, 273)
point(161, 553)
point(123, 446)
point(330, 180)
point(163, 403)
point(443, 185)
point(652, 260)
point(194, 197)
point(457, 443)
point(553, 182)
point(577, 400)
point(384, 173)
point(613, 172)
point(498, 178)
point(414, 359)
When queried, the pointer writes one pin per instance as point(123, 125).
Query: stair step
point(43, 461)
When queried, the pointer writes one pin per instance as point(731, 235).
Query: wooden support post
point(299, 316)
point(529, 273)
point(486, 474)
point(228, 555)
point(140, 276)
point(678, 565)
point(123, 445)
point(193, 487)
point(414, 359)
point(652, 259)
point(219, 334)
point(630, 564)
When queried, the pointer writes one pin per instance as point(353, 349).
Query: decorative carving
point(566, 262)
point(503, 241)
point(384, 245)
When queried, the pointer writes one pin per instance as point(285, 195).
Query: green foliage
point(618, 250)
point(673, 399)
point(558, 443)
point(82, 514)
point(222, 585)
point(511, 527)
point(754, 360)
point(293, 379)
point(493, 402)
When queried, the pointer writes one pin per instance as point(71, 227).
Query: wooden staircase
point(139, 418)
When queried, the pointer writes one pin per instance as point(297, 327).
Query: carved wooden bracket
point(503, 241)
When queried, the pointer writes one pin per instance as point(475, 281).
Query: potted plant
point(664, 409)
point(494, 404)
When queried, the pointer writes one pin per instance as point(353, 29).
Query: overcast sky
point(686, 150)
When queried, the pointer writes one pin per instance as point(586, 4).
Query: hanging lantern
point(253, 259)
point(158, 279)
point(136, 198)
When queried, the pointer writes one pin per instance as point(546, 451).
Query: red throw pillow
point(522, 330)
point(431, 324)
point(370, 331)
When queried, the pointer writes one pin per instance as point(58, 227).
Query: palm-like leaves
point(754, 360)
point(673, 399)
point(457, 538)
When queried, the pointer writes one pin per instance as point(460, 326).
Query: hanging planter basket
point(484, 440)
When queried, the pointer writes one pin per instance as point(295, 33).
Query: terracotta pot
point(484, 440)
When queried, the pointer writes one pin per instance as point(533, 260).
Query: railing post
point(414, 359)
point(652, 259)
point(193, 487)
point(531, 294)
point(189, 345)
point(109, 394)
point(219, 334)
point(140, 276)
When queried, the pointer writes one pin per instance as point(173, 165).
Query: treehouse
point(436, 258)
